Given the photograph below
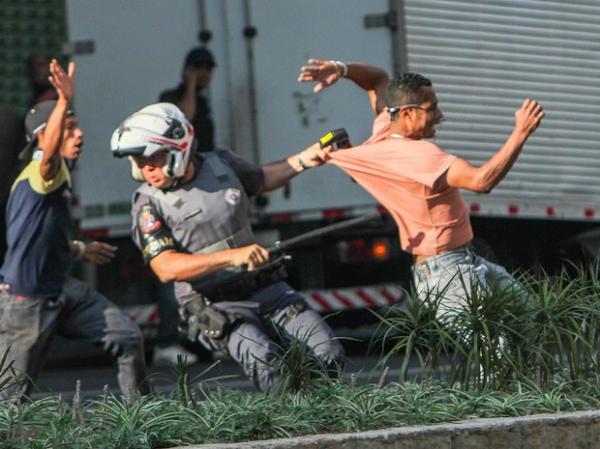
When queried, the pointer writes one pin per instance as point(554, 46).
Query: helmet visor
point(157, 159)
point(129, 151)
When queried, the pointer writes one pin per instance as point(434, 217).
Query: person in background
point(189, 95)
point(36, 71)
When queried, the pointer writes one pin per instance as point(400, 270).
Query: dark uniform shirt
point(202, 121)
point(209, 213)
point(38, 220)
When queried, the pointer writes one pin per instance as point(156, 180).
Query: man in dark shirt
point(197, 74)
point(37, 300)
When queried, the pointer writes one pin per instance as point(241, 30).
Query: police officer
point(191, 220)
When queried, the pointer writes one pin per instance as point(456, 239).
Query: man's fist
point(529, 116)
point(251, 256)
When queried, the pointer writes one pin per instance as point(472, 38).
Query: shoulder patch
point(147, 220)
point(150, 234)
point(233, 196)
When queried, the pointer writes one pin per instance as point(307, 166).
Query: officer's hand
point(99, 253)
point(63, 82)
point(322, 73)
point(314, 155)
point(252, 256)
point(528, 117)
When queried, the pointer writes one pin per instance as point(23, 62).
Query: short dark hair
point(406, 89)
point(199, 57)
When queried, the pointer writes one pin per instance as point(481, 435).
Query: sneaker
point(167, 356)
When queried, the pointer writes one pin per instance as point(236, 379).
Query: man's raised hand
point(322, 73)
point(529, 116)
point(63, 82)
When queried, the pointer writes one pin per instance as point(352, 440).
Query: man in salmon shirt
point(418, 182)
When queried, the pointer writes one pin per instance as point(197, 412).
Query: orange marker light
point(380, 250)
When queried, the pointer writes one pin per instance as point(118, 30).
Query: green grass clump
point(501, 354)
point(548, 331)
point(228, 416)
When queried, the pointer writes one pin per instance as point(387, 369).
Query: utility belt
point(242, 285)
point(199, 317)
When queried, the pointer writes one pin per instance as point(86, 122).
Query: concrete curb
point(573, 430)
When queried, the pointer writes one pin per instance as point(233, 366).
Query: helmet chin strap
point(169, 171)
point(169, 168)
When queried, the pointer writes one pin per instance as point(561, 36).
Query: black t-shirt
point(39, 217)
point(202, 121)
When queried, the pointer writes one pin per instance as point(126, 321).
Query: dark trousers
point(260, 319)
point(168, 315)
point(27, 325)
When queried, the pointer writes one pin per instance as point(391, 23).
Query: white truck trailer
point(483, 57)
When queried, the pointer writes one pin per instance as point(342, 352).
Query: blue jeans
point(453, 275)
point(27, 325)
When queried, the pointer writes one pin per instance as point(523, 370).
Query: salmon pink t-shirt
point(402, 174)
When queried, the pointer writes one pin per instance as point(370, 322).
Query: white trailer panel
point(484, 58)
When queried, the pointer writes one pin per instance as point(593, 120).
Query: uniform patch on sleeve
point(154, 237)
point(232, 196)
point(147, 221)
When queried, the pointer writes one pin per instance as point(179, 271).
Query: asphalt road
point(57, 380)
point(71, 361)
point(95, 372)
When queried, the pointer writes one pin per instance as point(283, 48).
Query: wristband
point(302, 164)
point(341, 67)
point(79, 249)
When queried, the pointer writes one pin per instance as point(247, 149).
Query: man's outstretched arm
point(463, 175)
point(277, 174)
point(368, 77)
point(64, 83)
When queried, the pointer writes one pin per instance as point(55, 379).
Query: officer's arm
point(160, 251)
point(171, 265)
point(369, 78)
point(277, 174)
point(53, 132)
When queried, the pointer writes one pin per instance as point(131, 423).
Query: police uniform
point(211, 213)
point(37, 301)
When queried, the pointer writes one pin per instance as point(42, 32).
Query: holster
point(198, 317)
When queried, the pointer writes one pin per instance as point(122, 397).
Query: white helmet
point(158, 127)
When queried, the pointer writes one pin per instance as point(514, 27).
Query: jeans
point(453, 276)
point(27, 325)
